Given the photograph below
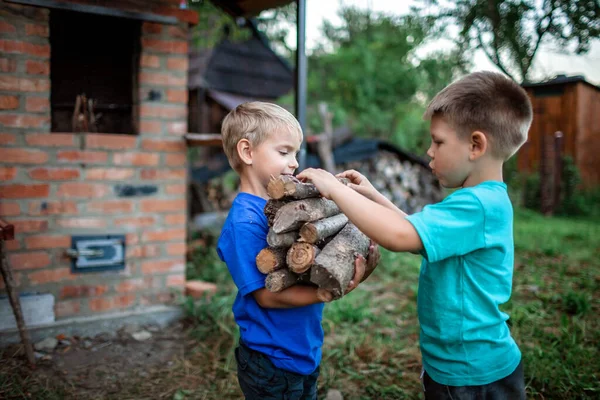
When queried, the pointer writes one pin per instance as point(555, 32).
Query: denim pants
point(260, 379)
point(510, 388)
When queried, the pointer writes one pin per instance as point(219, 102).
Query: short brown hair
point(254, 121)
point(487, 102)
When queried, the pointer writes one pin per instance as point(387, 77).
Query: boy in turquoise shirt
point(466, 241)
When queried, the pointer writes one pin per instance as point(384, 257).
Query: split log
point(314, 231)
point(271, 209)
point(284, 278)
point(334, 266)
point(270, 259)
point(290, 188)
point(281, 239)
point(294, 214)
point(301, 256)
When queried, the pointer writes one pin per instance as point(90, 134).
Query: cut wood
point(290, 188)
point(334, 266)
point(301, 256)
point(281, 239)
point(312, 232)
point(270, 259)
point(294, 214)
point(281, 279)
point(271, 209)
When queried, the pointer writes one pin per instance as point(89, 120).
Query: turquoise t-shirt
point(465, 275)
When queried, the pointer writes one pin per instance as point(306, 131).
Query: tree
point(510, 32)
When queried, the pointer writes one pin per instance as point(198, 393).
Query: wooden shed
point(571, 105)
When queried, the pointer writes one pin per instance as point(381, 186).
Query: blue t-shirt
point(465, 275)
point(291, 337)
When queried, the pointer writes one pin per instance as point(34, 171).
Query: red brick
point(7, 173)
point(54, 174)
point(110, 142)
point(176, 160)
point(32, 260)
point(12, 245)
point(163, 174)
point(150, 127)
point(157, 298)
point(85, 157)
point(149, 61)
point(175, 219)
point(175, 281)
point(144, 251)
point(7, 138)
point(163, 236)
point(37, 30)
point(200, 289)
point(47, 242)
point(163, 145)
point(69, 292)
point(16, 84)
point(178, 32)
point(163, 111)
point(151, 27)
point(132, 239)
point(154, 205)
point(161, 79)
point(7, 65)
point(5, 27)
point(110, 174)
point(177, 96)
point(37, 104)
point(30, 225)
point(177, 189)
point(37, 67)
point(177, 128)
point(23, 156)
point(111, 206)
point(108, 303)
point(82, 222)
point(9, 102)
point(24, 191)
point(67, 308)
point(165, 46)
point(131, 285)
point(53, 208)
point(135, 221)
point(9, 209)
point(51, 139)
point(136, 159)
point(24, 120)
point(177, 64)
point(176, 249)
point(157, 267)
point(20, 47)
point(50, 275)
point(82, 190)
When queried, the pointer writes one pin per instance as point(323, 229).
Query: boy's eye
point(283, 153)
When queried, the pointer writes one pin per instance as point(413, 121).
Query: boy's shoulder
point(246, 209)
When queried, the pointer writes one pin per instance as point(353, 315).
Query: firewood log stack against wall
point(309, 241)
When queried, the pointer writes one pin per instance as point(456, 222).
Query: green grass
point(371, 336)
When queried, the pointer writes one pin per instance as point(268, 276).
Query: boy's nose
point(294, 164)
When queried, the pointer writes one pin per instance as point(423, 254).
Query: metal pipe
point(301, 76)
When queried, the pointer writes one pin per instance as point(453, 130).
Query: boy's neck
point(252, 186)
point(490, 170)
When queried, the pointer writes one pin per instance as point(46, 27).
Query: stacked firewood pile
point(309, 241)
point(409, 185)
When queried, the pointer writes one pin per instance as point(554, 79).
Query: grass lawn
point(371, 336)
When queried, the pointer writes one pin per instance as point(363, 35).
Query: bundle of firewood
point(309, 241)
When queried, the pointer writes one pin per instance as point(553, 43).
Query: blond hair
point(254, 121)
point(487, 102)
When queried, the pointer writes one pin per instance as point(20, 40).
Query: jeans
point(510, 388)
point(260, 379)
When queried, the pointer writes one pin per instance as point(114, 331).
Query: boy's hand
point(360, 266)
point(324, 295)
point(372, 259)
point(359, 183)
point(323, 180)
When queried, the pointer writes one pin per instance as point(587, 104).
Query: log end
point(309, 234)
point(267, 261)
point(323, 279)
point(276, 188)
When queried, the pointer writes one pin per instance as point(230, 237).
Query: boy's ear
point(479, 145)
point(244, 149)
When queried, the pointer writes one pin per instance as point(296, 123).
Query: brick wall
point(55, 185)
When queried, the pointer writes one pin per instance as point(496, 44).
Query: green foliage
point(510, 32)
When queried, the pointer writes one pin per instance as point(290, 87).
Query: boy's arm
point(383, 225)
point(361, 184)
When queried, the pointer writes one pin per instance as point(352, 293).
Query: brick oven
point(108, 166)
